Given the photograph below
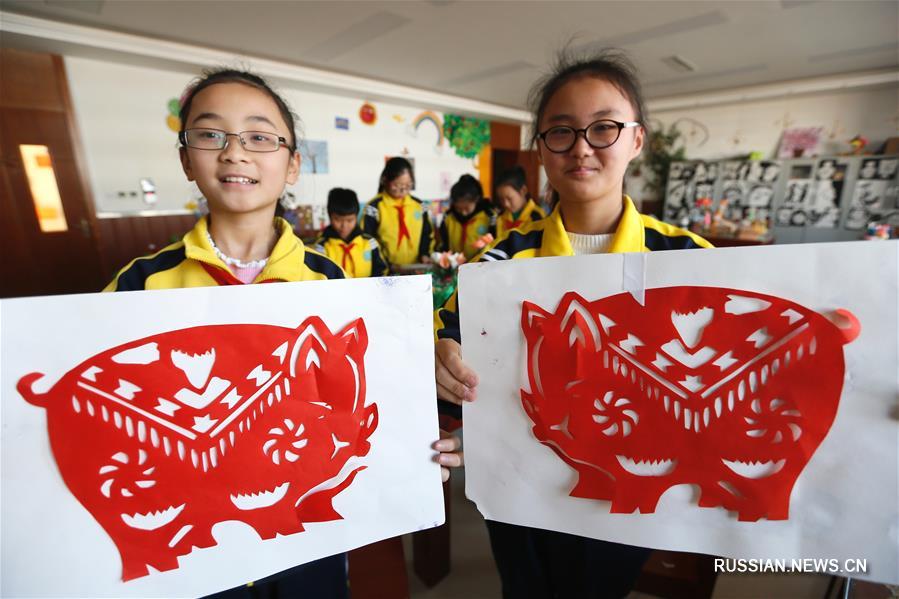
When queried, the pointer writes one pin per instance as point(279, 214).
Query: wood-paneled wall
point(505, 140)
point(124, 239)
point(36, 110)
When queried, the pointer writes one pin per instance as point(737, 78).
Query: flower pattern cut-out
point(127, 474)
point(616, 416)
point(286, 441)
point(774, 421)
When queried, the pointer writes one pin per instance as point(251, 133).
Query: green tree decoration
point(466, 136)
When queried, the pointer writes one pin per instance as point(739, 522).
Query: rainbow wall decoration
point(430, 117)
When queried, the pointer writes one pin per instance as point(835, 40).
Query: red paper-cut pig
point(163, 437)
point(728, 390)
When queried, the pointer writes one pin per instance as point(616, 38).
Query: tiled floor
point(473, 574)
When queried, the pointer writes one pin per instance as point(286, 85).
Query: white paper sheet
point(845, 504)
point(52, 546)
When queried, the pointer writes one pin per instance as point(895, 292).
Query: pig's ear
point(308, 346)
point(578, 323)
point(532, 318)
point(356, 336)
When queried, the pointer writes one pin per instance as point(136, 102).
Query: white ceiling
point(493, 51)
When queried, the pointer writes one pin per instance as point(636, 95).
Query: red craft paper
point(728, 390)
point(163, 437)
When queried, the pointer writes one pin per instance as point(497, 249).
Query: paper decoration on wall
point(827, 193)
point(314, 157)
point(398, 118)
point(811, 196)
point(342, 123)
point(729, 390)
point(795, 209)
point(368, 114)
point(858, 144)
point(688, 182)
point(466, 135)
point(875, 192)
point(163, 437)
point(173, 119)
point(428, 117)
point(798, 142)
point(748, 188)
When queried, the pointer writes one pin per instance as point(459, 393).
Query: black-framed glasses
point(599, 134)
point(216, 139)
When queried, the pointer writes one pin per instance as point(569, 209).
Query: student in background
point(511, 195)
point(397, 219)
point(468, 219)
point(357, 253)
point(238, 143)
point(589, 123)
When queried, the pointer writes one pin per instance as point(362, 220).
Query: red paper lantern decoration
point(368, 114)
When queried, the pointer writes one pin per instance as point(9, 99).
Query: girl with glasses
point(397, 219)
point(239, 146)
point(589, 123)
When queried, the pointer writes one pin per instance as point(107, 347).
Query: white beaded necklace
point(234, 261)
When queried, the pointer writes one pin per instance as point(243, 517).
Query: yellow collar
point(287, 254)
point(391, 201)
point(529, 207)
point(197, 246)
point(628, 236)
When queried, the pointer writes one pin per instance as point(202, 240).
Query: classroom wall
point(121, 112)
point(738, 129)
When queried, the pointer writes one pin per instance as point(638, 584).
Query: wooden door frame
point(54, 98)
point(505, 138)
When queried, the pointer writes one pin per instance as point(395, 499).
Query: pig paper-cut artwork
point(163, 437)
point(728, 390)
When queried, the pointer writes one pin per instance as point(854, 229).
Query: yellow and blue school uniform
point(191, 262)
point(459, 233)
point(588, 567)
point(359, 255)
point(402, 227)
point(547, 237)
point(506, 221)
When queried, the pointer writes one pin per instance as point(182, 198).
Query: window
point(44, 190)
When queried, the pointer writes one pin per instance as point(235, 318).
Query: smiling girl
point(238, 144)
point(589, 123)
